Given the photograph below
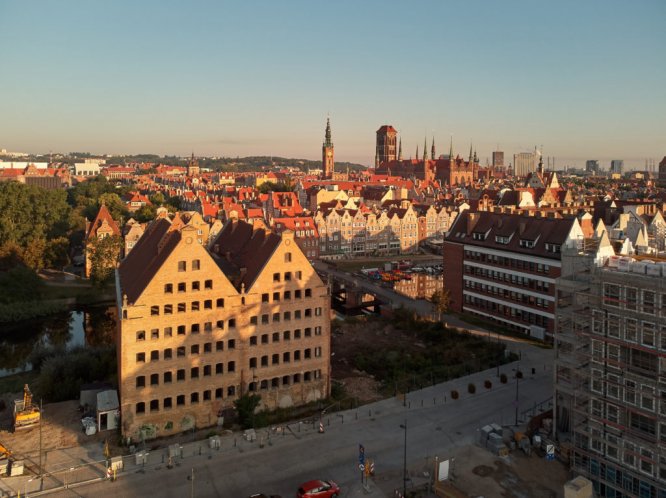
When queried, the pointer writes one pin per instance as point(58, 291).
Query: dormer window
point(529, 244)
point(479, 236)
point(502, 239)
point(554, 248)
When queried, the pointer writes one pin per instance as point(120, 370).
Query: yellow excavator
point(26, 414)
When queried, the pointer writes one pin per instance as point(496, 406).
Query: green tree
point(157, 199)
point(145, 213)
point(245, 407)
point(104, 255)
point(440, 300)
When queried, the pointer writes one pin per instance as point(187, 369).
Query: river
point(81, 326)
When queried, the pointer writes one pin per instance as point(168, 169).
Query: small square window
point(287, 276)
point(276, 296)
point(181, 329)
point(195, 305)
point(141, 357)
point(231, 366)
point(287, 257)
point(182, 287)
point(182, 266)
point(196, 264)
point(168, 288)
point(253, 320)
point(194, 398)
point(180, 400)
point(219, 346)
point(220, 303)
point(253, 340)
point(196, 286)
point(208, 304)
point(264, 297)
point(141, 335)
point(208, 284)
point(231, 344)
point(232, 323)
point(276, 277)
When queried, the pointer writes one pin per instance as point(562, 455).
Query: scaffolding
point(610, 391)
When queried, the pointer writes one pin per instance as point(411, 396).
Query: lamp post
point(404, 468)
point(517, 370)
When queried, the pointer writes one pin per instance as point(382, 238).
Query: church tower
point(327, 152)
point(387, 141)
point(193, 167)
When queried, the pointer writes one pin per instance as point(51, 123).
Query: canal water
point(90, 326)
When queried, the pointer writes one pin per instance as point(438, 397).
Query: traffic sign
point(361, 454)
point(550, 452)
point(361, 467)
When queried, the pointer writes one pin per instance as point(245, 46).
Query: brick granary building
point(199, 328)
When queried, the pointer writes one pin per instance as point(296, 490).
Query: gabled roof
point(103, 218)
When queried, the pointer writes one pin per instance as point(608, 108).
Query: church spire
point(327, 135)
point(451, 149)
point(425, 149)
point(400, 150)
point(432, 149)
point(470, 152)
point(417, 152)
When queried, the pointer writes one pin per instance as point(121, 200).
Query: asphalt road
point(434, 428)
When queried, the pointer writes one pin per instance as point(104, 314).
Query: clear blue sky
point(585, 78)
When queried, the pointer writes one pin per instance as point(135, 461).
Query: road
point(436, 425)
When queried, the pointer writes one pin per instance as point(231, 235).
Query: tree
point(157, 199)
point(104, 254)
point(245, 406)
point(441, 300)
point(145, 213)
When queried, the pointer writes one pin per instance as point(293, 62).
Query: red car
point(318, 489)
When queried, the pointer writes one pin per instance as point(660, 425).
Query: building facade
point(525, 163)
point(498, 158)
point(503, 268)
point(199, 328)
point(610, 373)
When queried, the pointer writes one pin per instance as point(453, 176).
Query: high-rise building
point(525, 163)
point(617, 165)
point(592, 166)
point(498, 158)
point(662, 172)
point(199, 328)
point(327, 152)
point(610, 373)
point(387, 141)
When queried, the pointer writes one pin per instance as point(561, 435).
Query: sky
point(580, 79)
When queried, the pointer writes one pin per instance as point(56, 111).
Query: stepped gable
point(147, 257)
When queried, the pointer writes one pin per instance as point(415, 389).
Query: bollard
point(421, 403)
point(409, 404)
point(433, 401)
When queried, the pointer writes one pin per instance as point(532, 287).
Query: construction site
point(25, 415)
point(610, 372)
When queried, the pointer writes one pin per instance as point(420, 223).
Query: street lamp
point(404, 469)
point(517, 370)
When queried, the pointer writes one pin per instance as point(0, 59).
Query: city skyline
point(237, 80)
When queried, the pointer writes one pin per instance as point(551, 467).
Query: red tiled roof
point(103, 215)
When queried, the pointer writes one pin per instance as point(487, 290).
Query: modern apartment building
point(198, 328)
point(525, 163)
point(503, 267)
point(610, 373)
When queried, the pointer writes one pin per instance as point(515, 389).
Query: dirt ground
point(478, 472)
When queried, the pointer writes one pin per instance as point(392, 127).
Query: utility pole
point(41, 422)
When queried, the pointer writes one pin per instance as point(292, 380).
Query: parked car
point(318, 489)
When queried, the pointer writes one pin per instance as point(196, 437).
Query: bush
point(454, 394)
point(503, 378)
point(488, 384)
point(471, 388)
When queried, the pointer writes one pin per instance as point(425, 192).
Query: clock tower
point(327, 153)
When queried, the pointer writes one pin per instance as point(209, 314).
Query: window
point(154, 310)
point(286, 380)
point(264, 297)
point(140, 407)
point(194, 349)
point(155, 334)
point(231, 391)
point(154, 355)
point(317, 330)
point(231, 344)
point(141, 335)
point(194, 373)
point(196, 286)
point(194, 398)
point(168, 288)
point(253, 363)
point(317, 311)
point(276, 277)
point(208, 327)
point(287, 315)
point(308, 312)
point(287, 257)
point(286, 335)
point(264, 319)
point(168, 309)
point(182, 287)
point(299, 275)
point(168, 354)
point(141, 381)
point(206, 395)
point(207, 370)
point(220, 302)
point(181, 307)
point(297, 294)
point(308, 332)
point(287, 295)
point(276, 296)
point(276, 336)
point(317, 352)
point(220, 324)
point(181, 329)
point(195, 328)
point(308, 292)
point(286, 357)
point(264, 338)
point(219, 346)
point(218, 393)
point(275, 359)
point(264, 361)
point(253, 320)
point(196, 264)
point(154, 379)
point(182, 266)
point(180, 400)
point(253, 340)
point(208, 284)
point(141, 357)
point(167, 332)
point(276, 317)
point(297, 355)
point(168, 377)
point(297, 315)
point(287, 276)
point(219, 368)
point(208, 347)
point(231, 366)
point(195, 305)
point(297, 378)
point(307, 353)
point(180, 374)
point(232, 322)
